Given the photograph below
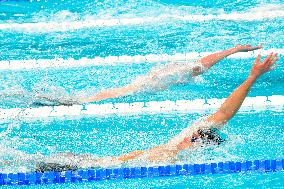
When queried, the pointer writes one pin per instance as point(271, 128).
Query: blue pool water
point(145, 27)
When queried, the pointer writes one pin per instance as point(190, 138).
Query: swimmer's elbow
point(220, 118)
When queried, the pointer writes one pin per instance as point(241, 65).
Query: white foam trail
point(9, 129)
point(275, 102)
point(55, 26)
point(114, 60)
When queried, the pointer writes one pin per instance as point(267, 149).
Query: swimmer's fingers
point(257, 60)
point(259, 46)
point(265, 61)
point(266, 65)
point(246, 48)
point(255, 47)
point(271, 66)
point(272, 59)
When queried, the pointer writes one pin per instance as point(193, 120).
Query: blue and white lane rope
point(258, 103)
point(116, 60)
point(89, 175)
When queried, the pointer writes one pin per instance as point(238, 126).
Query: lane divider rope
point(54, 26)
point(90, 175)
point(115, 60)
point(274, 102)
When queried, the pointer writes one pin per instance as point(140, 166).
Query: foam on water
point(68, 21)
point(43, 94)
point(13, 160)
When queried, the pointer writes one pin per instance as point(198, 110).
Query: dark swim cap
point(211, 136)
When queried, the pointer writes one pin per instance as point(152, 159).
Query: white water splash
point(68, 21)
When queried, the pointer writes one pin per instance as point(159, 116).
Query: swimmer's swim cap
point(212, 136)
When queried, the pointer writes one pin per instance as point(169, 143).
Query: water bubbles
point(164, 123)
point(200, 80)
point(65, 15)
point(9, 129)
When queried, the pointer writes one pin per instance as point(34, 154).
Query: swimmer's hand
point(266, 65)
point(246, 48)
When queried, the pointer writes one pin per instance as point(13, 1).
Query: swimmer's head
point(211, 136)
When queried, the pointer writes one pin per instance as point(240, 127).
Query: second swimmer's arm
point(210, 60)
point(232, 104)
point(110, 93)
point(130, 155)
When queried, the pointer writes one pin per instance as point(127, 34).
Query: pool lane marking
point(119, 60)
point(95, 175)
point(54, 26)
point(258, 103)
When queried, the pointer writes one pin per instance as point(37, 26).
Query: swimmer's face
point(185, 143)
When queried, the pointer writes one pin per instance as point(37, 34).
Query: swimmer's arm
point(212, 59)
point(130, 155)
point(233, 103)
point(110, 93)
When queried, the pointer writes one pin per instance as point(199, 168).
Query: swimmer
point(199, 134)
point(163, 77)
point(157, 79)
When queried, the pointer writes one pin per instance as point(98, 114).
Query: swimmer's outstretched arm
point(212, 59)
point(111, 93)
point(207, 62)
point(233, 103)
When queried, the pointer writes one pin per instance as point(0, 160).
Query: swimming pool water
point(251, 135)
point(150, 27)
